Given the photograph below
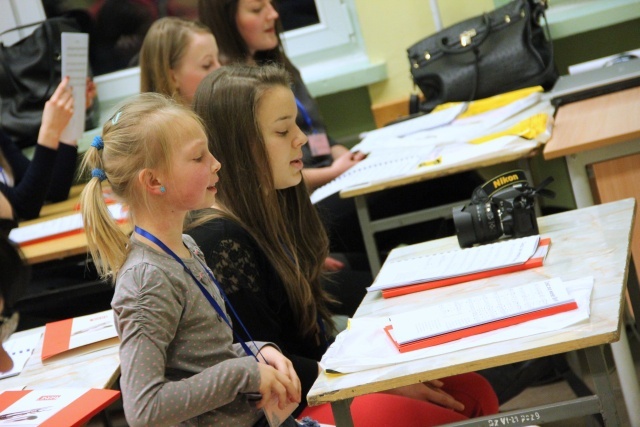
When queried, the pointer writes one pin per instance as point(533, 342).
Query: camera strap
point(490, 187)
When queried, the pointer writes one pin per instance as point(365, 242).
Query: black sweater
point(48, 177)
point(257, 294)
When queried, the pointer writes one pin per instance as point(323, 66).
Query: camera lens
point(476, 223)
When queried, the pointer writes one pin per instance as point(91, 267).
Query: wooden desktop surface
point(587, 242)
point(99, 369)
point(595, 123)
point(61, 247)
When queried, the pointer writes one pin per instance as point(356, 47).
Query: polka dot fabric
point(179, 365)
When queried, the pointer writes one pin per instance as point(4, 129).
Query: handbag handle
point(20, 27)
point(486, 20)
point(7, 70)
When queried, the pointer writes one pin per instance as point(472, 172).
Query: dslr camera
point(502, 207)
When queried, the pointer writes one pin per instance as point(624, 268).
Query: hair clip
point(97, 142)
point(115, 118)
point(98, 173)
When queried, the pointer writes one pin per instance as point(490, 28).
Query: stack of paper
point(364, 344)
point(406, 271)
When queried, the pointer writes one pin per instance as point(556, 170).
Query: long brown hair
point(283, 222)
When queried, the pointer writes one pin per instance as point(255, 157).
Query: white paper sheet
point(366, 346)
point(20, 350)
point(75, 59)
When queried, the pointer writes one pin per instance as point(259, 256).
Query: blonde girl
point(175, 56)
point(178, 361)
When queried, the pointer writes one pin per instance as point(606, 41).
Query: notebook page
point(377, 167)
point(409, 269)
point(476, 310)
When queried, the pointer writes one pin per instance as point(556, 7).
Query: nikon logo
point(504, 180)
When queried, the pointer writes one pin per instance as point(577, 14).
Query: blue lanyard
point(305, 115)
point(3, 177)
point(204, 291)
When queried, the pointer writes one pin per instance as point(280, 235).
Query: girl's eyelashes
point(283, 133)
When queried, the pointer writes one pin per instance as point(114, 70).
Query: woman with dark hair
point(247, 31)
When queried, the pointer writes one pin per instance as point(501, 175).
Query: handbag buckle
point(466, 36)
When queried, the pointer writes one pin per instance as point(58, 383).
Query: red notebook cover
point(479, 329)
point(77, 413)
point(417, 287)
point(57, 335)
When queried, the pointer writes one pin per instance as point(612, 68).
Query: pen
point(431, 162)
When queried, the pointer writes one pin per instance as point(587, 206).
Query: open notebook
point(406, 270)
point(488, 311)
point(383, 164)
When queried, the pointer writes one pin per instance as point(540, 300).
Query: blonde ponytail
point(106, 240)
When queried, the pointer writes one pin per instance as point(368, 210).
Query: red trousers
point(386, 410)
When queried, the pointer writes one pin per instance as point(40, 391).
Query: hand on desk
point(430, 391)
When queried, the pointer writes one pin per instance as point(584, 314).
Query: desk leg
point(628, 377)
point(368, 234)
point(598, 368)
point(342, 413)
point(577, 165)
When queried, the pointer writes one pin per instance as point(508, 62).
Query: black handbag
point(500, 51)
point(30, 71)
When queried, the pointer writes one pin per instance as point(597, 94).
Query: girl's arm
point(149, 311)
point(34, 179)
point(64, 170)
point(317, 177)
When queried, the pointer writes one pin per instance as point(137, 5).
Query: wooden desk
point(601, 134)
point(519, 150)
point(454, 159)
point(587, 242)
point(99, 369)
point(64, 207)
point(62, 247)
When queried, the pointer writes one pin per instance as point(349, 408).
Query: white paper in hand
point(75, 58)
